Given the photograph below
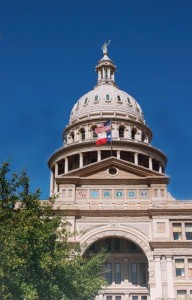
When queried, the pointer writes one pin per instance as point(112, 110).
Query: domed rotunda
point(130, 135)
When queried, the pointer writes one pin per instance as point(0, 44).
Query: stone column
point(150, 163)
point(118, 154)
point(160, 168)
point(170, 286)
point(136, 158)
point(99, 155)
point(103, 75)
point(99, 75)
point(56, 169)
point(158, 279)
point(52, 183)
point(108, 73)
point(80, 160)
point(66, 164)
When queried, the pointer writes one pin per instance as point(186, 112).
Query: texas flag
point(104, 133)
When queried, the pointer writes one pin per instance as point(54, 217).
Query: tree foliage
point(36, 260)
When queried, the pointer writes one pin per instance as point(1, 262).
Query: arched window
point(94, 134)
point(85, 101)
point(96, 99)
point(143, 136)
point(133, 133)
point(72, 136)
point(121, 131)
point(119, 99)
point(82, 132)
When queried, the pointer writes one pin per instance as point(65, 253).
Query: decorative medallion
point(132, 194)
point(144, 194)
point(119, 194)
point(106, 194)
point(94, 194)
point(82, 194)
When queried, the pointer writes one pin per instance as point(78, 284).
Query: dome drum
point(121, 130)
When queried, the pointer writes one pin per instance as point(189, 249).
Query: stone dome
point(106, 99)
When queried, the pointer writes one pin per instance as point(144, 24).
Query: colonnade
point(79, 161)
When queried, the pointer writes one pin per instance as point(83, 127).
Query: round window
point(112, 171)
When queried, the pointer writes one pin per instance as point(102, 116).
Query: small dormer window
point(107, 98)
point(129, 102)
point(96, 99)
point(77, 106)
point(85, 101)
point(119, 99)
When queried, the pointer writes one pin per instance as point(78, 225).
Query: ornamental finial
point(104, 47)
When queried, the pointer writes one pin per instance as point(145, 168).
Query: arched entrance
point(127, 266)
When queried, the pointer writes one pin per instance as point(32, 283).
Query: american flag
point(103, 128)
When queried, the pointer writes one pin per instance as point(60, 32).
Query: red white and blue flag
point(104, 133)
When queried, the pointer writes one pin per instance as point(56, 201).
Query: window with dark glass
point(133, 133)
point(188, 231)
point(94, 133)
point(134, 273)
point(82, 131)
point(108, 273)
point(177, 231)
point(117, 273)
point(134, 297)
point(96, 98)
point(143, 273)
point(117, 297)
point(109, 298)
point(179, 267)
point(107, 97)
point(117, 245)
point(108, 243)
point(118, 98)
point(121, 131)
point(190, 267)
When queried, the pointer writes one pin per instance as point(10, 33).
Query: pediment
point(125, 170)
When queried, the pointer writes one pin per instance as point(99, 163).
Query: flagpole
point(111, 139)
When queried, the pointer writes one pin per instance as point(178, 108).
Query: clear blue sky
point(48, 52)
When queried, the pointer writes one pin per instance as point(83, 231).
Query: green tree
point(36, 260)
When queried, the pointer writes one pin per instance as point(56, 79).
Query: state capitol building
point(115, 196)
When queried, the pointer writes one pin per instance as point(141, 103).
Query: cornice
point(170, 244)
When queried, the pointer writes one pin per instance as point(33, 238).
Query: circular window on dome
point(112, 171)
point(107, 98)
point(119, 99)
point(96, 99)
point(85, 101)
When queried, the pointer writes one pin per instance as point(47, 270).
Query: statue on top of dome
point(104, 47)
